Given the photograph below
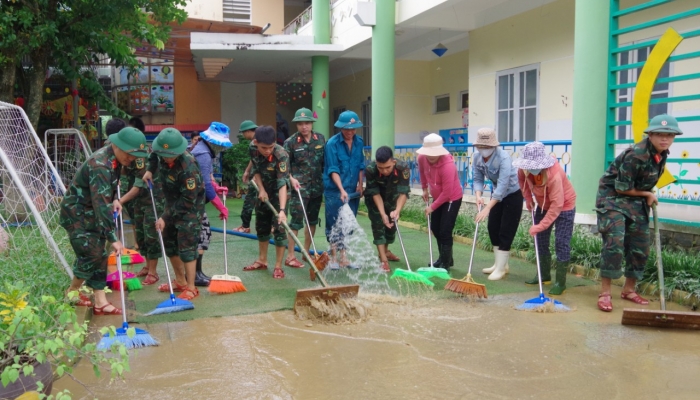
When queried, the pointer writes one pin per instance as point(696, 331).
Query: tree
point(72, 34)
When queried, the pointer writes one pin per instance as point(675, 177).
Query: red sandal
point(143, 272)
point(635, 299)
point(176, 287)
point(278, 273)
point(81, 301)
point(255, 266)
point(101, 310)
point(242, 229)
point(151, 279)
point(391, 256)
point(293, 262)
point(188, 294)
point(604, 302)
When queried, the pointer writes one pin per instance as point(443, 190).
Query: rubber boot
point(501, 262)
point(493, 268)
point(446, 256)
point(200, 279)
point(560, 279)
point(438, 263)
point(545, 266)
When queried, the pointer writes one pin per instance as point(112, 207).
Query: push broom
point(130, 339)
point(663, 318)
point(407, 274)
point(131, 257)
point(466, 285)
point(319, 260)
point(431, 271)
point(173, 304)
point(541, 302)
point(223, 284)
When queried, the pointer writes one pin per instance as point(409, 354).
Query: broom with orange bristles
point(223, 284)
point(467, 286)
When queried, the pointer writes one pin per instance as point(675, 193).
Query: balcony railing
point(302, 19)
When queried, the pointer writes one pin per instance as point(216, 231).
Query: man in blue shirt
point(344, 165)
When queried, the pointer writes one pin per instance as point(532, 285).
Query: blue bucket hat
point(348, 120)
point(217, 134)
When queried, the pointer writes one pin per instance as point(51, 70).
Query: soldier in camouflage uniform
point(87, 214)
point(184, 205)
point(306, 154)
point(143, 219)
point(388, 186)
point(622, 204)
point(246, 133)
point(271, 174)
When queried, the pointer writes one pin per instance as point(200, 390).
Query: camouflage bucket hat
point(663, 123)
point(304, 115)
point(247, 125)
point(131, 141)
point(169, 143)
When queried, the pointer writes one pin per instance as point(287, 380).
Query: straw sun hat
point(432, 146)
point(534, 156)
point(486, 137)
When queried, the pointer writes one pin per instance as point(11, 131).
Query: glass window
point(517, 92)
point(442, 103)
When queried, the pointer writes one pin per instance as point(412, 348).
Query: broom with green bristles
point(432, 271)
point(129, 279)
point(407, 274)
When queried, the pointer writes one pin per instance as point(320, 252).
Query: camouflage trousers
point(312, 206)
point(248, 207)
point(265, 221)
point(623, 236)
point(381, 234)
point(181, 237)
point(144, 222)
point(90, 257)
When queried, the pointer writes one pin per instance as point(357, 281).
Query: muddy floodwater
point(414, 349)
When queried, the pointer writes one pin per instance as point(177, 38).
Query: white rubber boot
point(501, 262)
point(493, 268)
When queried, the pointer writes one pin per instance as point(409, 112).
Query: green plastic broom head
point(429, 272)
point(411, 277)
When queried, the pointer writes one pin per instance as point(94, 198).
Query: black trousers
point(504, 219)
point(442, 221)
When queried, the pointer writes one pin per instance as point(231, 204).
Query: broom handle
point(121, 216)
point(223, 197)
point(476, 234)
point(430, 237)
point(659, 262)
point(308, 227)
point(121, 277)
point(537, 252)
point(162, 245)
point(296, 239)
point(398, 232)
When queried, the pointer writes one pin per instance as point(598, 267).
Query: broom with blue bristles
point(125, 335)
point(173, 304)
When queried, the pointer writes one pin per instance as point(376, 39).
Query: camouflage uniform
point(251, 195)
point(126, 182)
point(274, 174)
point(389, 187)
point(184, 204)
point(623, 221)
point(143, 219)
point(87, 216)
point(306, 164)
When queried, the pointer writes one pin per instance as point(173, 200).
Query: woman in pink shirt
point(540, 175)
point(437, 170)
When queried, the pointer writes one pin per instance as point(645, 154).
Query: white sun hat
point(534, 156)
point(432, 146)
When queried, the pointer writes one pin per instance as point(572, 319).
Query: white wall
point(237, 105)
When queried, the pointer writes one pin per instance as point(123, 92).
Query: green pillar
point(591, 43)
point(320, 87)
point(383, 38)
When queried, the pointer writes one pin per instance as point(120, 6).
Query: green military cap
point(247, 125)
point(169, 143)
point(131, 141)
point(304, 115)
point(663, 123)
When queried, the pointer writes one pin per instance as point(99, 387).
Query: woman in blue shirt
point(506, 204)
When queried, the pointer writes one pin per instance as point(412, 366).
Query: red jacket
point(442, 178)
point(554, 195)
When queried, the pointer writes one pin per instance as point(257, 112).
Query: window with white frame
point(463, 100)
point(366, 118)
point(661, 90)
point(517, 104)
point(441, 104)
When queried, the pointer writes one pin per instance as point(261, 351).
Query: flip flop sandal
point(255, 266)
point(293, 262)
point(242, 229)
point(176, 287)
point(278, 273)
point(604, 303)
point(636, 299)
point(189, 294)
point(352, 266)
point(143, 272)
point(391, 256)
point(150, 279)
point(101, 310)
point(333, 266)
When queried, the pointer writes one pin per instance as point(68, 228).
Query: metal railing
point(302, 19)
